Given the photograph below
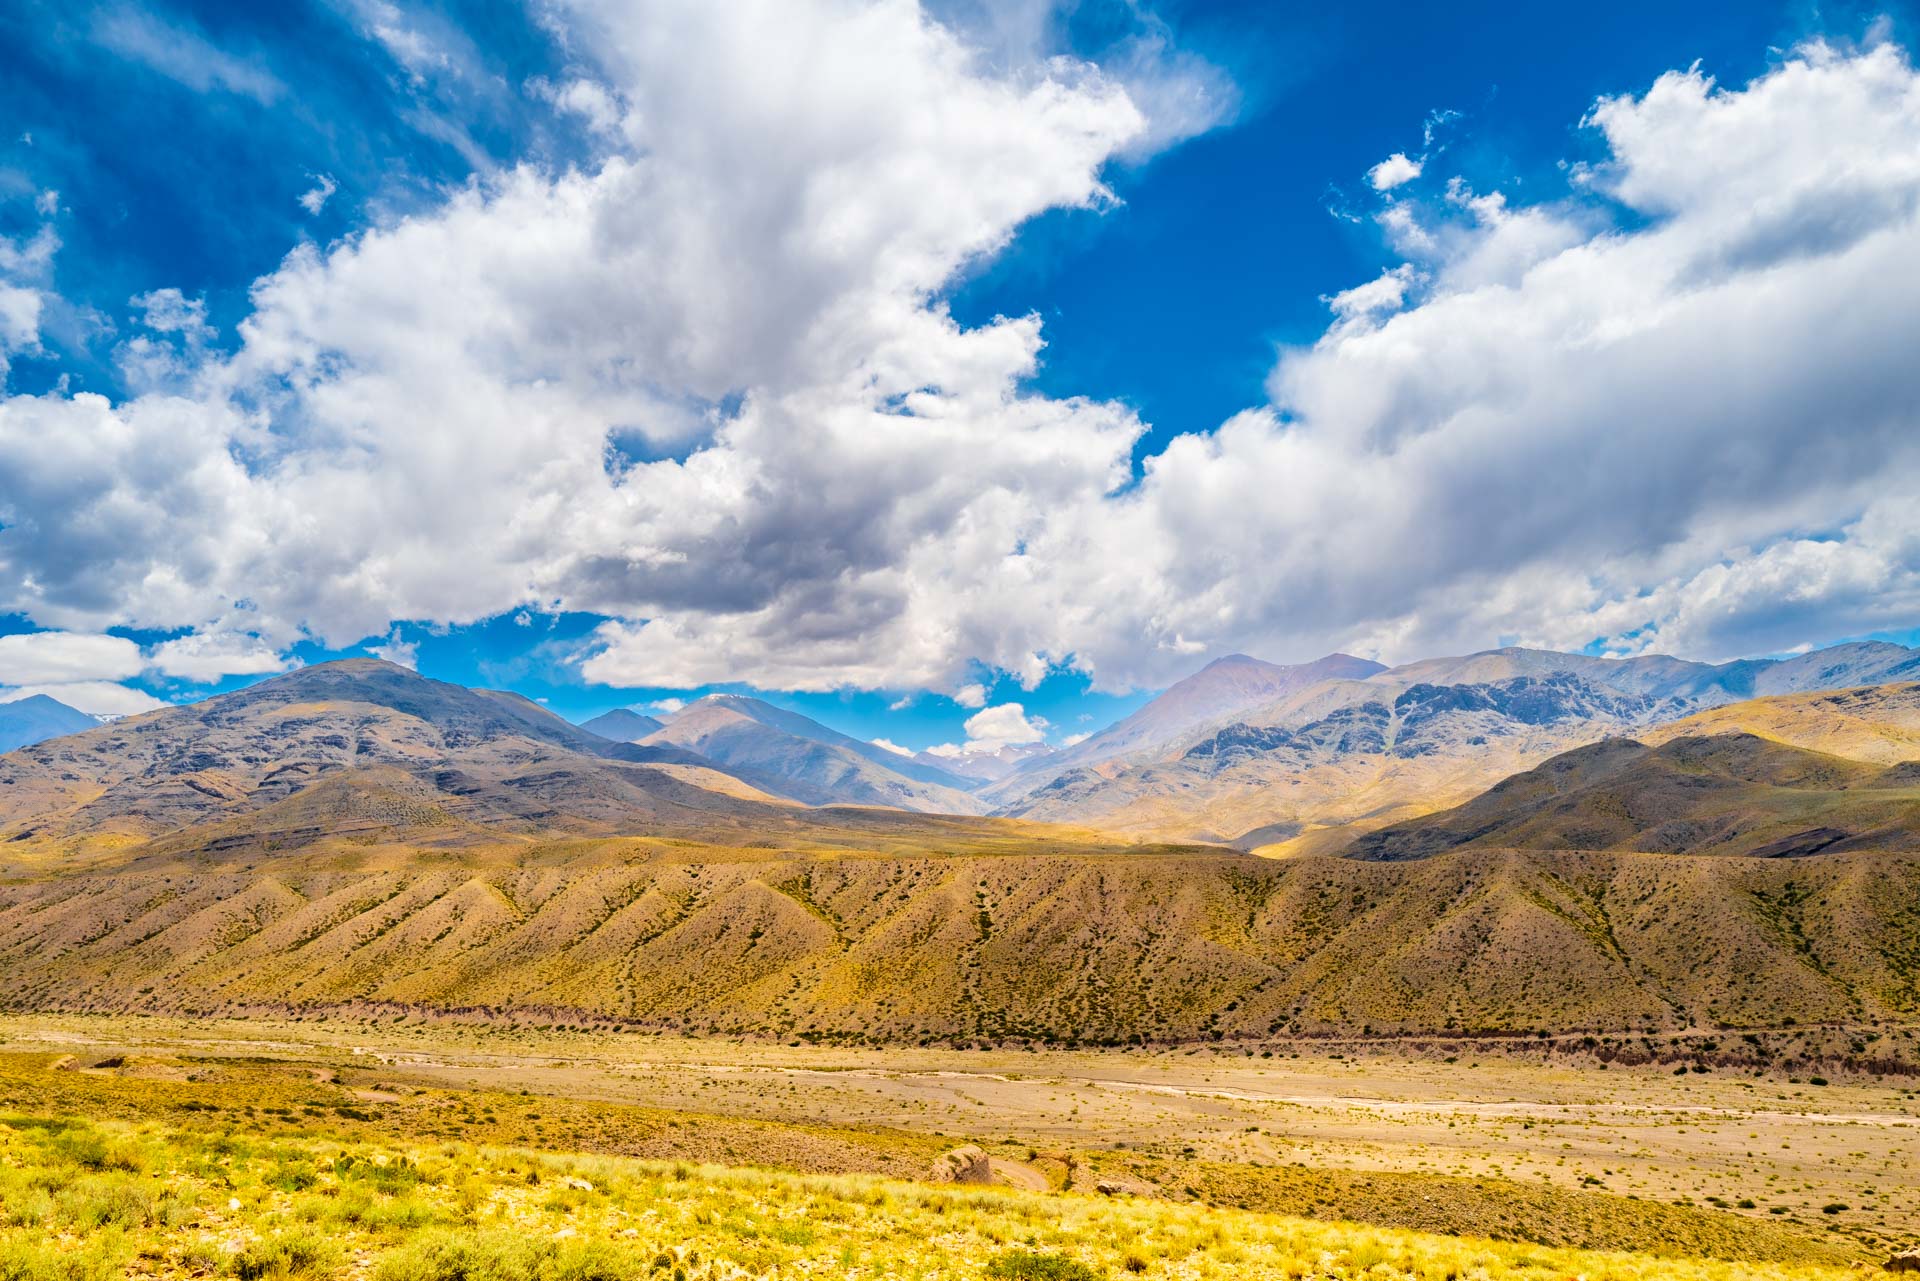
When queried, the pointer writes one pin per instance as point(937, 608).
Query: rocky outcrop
point(965, 1164)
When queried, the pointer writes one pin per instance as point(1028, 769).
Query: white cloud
point(1003, 725)
point(171, 353)
point(891, 746)
point(596, 105)
point(1072, 739)
point(204, 657)
point(396, 649)
point(169, 311)
point(95, 698)
point(25, 270)
point(183, 54)
point(993, 728)
point(972, 694)
point(1395, 171)
point(315, 198)
point(1580, 423)
point(423, 43)
point(1385, 292)
point(667, 706)
point(43, 658)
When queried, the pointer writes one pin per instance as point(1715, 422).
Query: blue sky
point(1169, 264)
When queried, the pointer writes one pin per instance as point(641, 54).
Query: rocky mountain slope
point(1731, 793)
point(1310, 767)
point(355, 837)
point(794, 756)
point(1877, 723)
point(1111, 948)
point(36, 718)
point(1774, 777)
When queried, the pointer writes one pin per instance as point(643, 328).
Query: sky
point(959, 371)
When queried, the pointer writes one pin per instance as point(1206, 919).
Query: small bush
point(503, 1256)
point(1024, 1265)
point(29, 1261)
point(299, 1255)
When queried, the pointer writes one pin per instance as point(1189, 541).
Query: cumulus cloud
point(596, 105)
point(1395, 171)
point(42, 658)
point(891, 746)
point(972, 694)
point(667, 706)
point(991, 729)
point(1003, 725)
point(204, 657)
point(1385, 292)
point(706, 387)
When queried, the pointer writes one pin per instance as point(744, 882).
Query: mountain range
point(353, 836)
point(1289, 758)
point(363, 751)
point(1307, 769)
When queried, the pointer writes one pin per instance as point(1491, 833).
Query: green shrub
point(465, 1256)
point(1024, 1265)
point(297, 1255)
point(503, 1256)
point(29, 1261)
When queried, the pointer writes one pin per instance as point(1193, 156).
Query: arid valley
point(959, 640)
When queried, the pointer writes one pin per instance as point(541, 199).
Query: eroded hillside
point(1063, 947)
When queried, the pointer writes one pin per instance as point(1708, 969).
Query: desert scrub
point(86, 1201)
point(1025, 1265)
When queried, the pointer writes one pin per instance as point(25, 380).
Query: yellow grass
point(81, 1200)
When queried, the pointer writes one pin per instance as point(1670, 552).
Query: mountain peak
point(37, 718)
point(1236, 660)
point(40, 703)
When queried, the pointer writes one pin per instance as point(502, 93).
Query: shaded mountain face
point(1733, 793)
point(1343, 753)
point(790, 755)
point(36, 718)
point(622, 725)
point(365, 751)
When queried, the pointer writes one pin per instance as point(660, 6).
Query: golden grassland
point(265, 1095)
point(81, 1200)
point(1451, 1136)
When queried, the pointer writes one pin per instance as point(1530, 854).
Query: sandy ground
point(1644, 1131)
